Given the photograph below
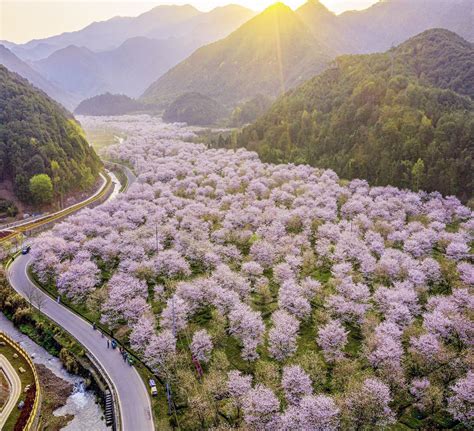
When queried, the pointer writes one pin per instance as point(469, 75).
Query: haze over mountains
point(13, 63)
point(125, 55)
point(269, 54)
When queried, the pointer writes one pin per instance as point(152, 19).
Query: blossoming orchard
point(275, 297)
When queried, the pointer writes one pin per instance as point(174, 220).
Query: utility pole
point(174, 316)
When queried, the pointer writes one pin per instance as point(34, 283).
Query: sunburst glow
point(23, 20)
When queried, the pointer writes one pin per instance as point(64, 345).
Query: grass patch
point(103, 137)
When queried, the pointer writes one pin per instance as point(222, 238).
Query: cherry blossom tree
point(282, 337)
point(461, 403)
point(247, 325)
point(332, 338)
point(296, 384)
point(201, 345)
point(77, 279)
point(369, 405)
point(261, 407)
point(142, 332)
point(313, 413)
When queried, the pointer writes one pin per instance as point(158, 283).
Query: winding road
point(15, 389)
point(132, 394)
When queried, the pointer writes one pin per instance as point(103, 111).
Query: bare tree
point(30, 292)
point(39, 300)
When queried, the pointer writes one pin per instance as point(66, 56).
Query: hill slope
point(74, 69)
point(390, 22)
point(14, 64)
point(34, 133)
point(270, 53)
point(162, 22)
point(147, 47)
point(194, 109)
point(390, 118)
point(108, 104)
point(326, 27)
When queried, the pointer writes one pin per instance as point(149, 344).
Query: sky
point(23, 20)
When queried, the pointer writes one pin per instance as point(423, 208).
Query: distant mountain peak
point(278, 6)
point(434, 36)
point(268, 54)
point(315, 9)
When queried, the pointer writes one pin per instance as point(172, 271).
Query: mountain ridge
point(382, 117)
point(274, 42)
point(38, 136)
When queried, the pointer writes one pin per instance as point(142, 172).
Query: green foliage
point(109, 104)
point(8, 208)
point(250, 110)
point(194, 109)
point(382, 117)
point(34, 132)
point(41, 189)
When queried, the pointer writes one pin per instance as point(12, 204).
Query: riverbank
point(78, 410)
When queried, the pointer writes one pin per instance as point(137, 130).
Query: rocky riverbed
point(79, 410)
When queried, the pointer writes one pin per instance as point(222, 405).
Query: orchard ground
point(275, 296)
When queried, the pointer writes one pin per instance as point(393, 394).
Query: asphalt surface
point(132, 394)
point(131, 177)
point(15, 389)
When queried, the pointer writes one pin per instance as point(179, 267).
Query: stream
point(81, 403)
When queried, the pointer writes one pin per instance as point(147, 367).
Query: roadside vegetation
point(28, 389)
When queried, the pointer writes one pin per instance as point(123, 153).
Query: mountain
point(134, 65)
point(128, 69)
point(14, 64)
point(325, 26)
point(203, 28)
point(441, 58)
point(109, 34)
point(161, 22)
point(404, 117)
point(108, 104)
point(390, 22)
point(267, 55)
point(125, 55)
point(75, 70)
point(39, 136)
point(194, 109)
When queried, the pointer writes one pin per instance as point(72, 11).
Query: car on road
point(26, 249)
point(153, 389)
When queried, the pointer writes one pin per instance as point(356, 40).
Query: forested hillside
point(37, 136)
point(402, 118)
point(194, 109)
point(108, 104)
point(269, 54)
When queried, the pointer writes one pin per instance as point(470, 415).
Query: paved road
point(131, 177)
point(29, 220)
point(132, 393)
point(15, 389)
